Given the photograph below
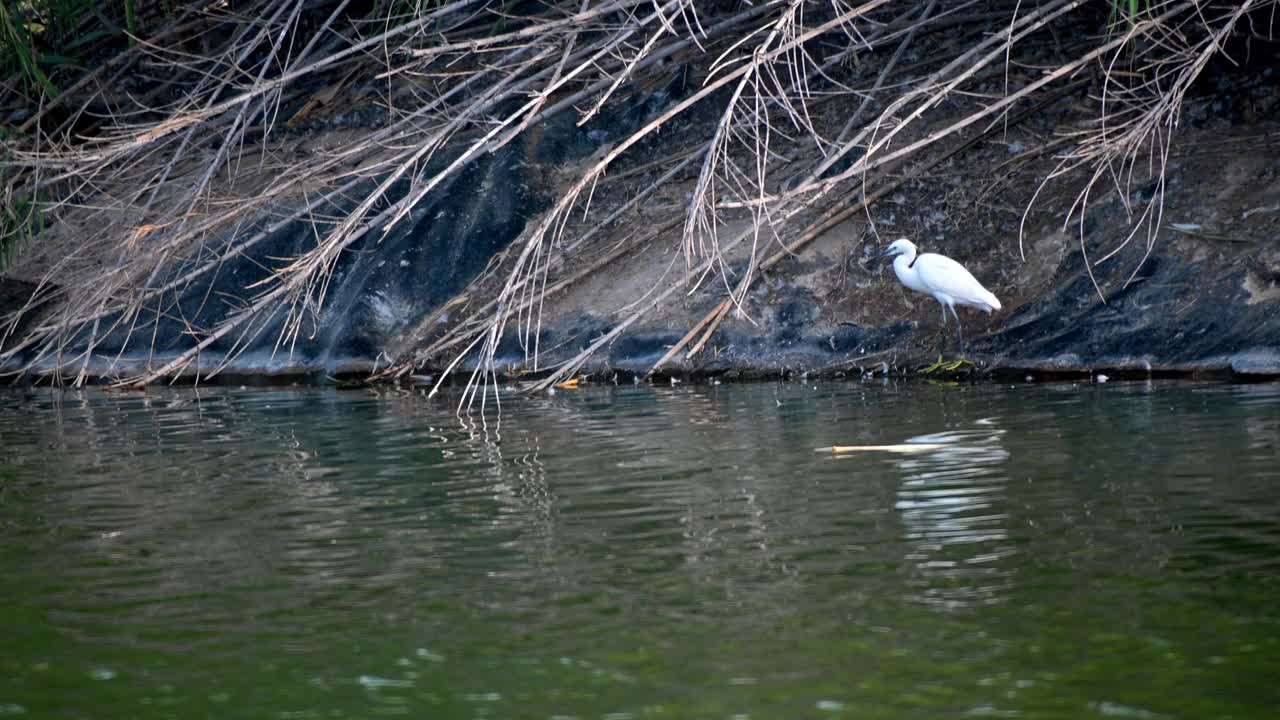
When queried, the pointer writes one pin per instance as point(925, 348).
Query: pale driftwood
point(901, 448)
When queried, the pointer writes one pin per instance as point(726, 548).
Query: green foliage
point(1123, 11)
point(18, 49)
point(41, 39)
point(130, 20)
point(19, 221)
point(43, 45)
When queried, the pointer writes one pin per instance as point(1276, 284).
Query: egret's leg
point(942, 345)
point(959, 331)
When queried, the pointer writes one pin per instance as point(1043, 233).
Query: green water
point(1070, 552)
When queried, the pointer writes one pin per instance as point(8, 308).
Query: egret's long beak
point(888, 254)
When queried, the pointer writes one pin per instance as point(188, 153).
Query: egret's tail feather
point(990, 299)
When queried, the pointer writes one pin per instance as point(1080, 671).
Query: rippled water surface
point(1063, 552)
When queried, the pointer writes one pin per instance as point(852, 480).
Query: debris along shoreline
point(688, 188)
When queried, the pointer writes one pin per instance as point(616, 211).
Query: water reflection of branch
point(520, 482)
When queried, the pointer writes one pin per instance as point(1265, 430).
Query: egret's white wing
point(943, 275)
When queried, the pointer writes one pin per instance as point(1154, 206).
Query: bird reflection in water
point(951, 501)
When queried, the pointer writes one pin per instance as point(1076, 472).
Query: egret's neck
point(904, 264)
point(904, 268)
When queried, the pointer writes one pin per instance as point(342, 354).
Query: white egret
point(943, 278)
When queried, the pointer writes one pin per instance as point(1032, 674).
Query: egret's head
point(901, 246)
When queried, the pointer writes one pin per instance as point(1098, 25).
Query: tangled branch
point(165, 181)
